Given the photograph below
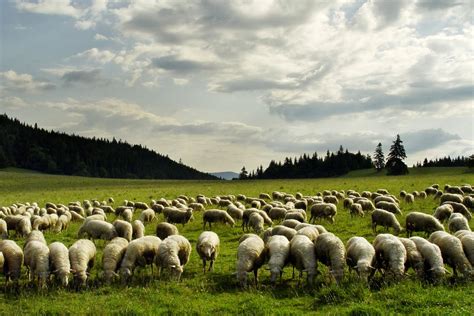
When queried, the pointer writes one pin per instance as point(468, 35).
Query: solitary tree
point(379, 158)
point(243, 174)
point(395, 164)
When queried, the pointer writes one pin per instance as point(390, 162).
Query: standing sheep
point(124, 229)
point(460, 208)
point(323, 210)
point(96, 229)
point(164, 230)
point(467, 241)
point(453, 253)
point(112, 257)
point(356, 210)
point(173, 254)
point(251, 256)
point(360, 256)
point(278, 249)
point(213, 216)
point(457, 222)
point(59, 262)
point(417, 221)
point(256, 222)
point(140, 252)
point(302, 256)
point(36, 257)
point(177, 216)
point(330, 250)
point(385, 219)
point(443, 212)
point(433, 260)
point(138, 229)
point(390, 254)
point(414, 257)
point(235, 212)
point(147, 216)
point(82, 257)
point(207, 248)
point(13, 258)
point(391, 207)
point(3, 229)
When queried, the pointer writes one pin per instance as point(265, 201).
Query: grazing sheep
point(13, 258)
point(433, 260)
point(278, 249)
point(383, 191)
point(96, 229)
point(177, 216)
point(140, 252)
point(417, 221)
point(36, 258)
point(207, 248)
point(302, 256)
point(291, 223)
point(112, 257)
point(443, 212)
point(141, 205)
point(467, 241)
point(295, 215)
point(331, 199)
point(3, 229)
point(431, 191)
point(403, 193)
point(251, 256)
point(330, 250)
point(356, 210)
point(164, 230)
point(347, 202)
point(82, 257)
point(246, 217)
point(59, 262)
point(457, 222)
point(309, 231)
point(390, 255)
point(453, 253)
point(449, 197)
point(385, 199)
point(414, 257)
point(2, 260)
point(360, 256)
point(35, 235)
point(147, 216)
point(460, 208)
point(264, 196)
point(158, 208)
point(385, 219)
point(235, 212)
point(213, 216)
point(173, 254)
point(468, 201)
point(367, 205)
point(323, 210)
point(409, 198)
point(256, 222)
point(391, 207)
point(124, 229)
point(138, 229)
point(301, 205)
point(127, 215)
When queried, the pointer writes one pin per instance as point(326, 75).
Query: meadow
point(218, 291)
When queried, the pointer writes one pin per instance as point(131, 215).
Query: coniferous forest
point(30, 147)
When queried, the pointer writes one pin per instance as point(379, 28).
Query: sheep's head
point(63, 277)
point(242, 278)
point(176, 270)
point(274, 273)
point(125, 273)
point(110, 276)
point(81, 277)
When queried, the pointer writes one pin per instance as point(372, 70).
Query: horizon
point(220, 86)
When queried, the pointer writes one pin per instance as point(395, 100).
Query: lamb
point(112, 257)
point(96, 229)
point(453, 253)
point(390, 254)
point(302, 256)
point(330, 250)
point(457, 222)
point(278, 249)
point(309, 231)
point(460, 208)
point(235, 212)
point(82, 256)
point(409, 198)
point(59, 262)
point(13, 258)
point(164, 230)
point(356, 210)
point(443, 212)
point(138, 229)
point(433, 260)
point(360, 256)
point(212, 216)
point(417, 221)
point(177, 216)
point(36, 258)
point(251, 256)
point(323, 210)
point(173, 254)
point(207, 248)
point(391, 207)
point(386, 219)
point(3, 229)
point(414, 257)
point(449, 197)
point(147, 215)
point(124, 229)
point(140, 252)
point(256, 222)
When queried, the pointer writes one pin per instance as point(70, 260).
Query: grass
point(218, 292)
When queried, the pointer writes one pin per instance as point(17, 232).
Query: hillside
point(226, 175)
point(28, 147)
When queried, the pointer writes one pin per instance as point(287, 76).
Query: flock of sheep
point(294, 241)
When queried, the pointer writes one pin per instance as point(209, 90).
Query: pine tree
point(379, 158)
point(243, 174)
point(395, 164)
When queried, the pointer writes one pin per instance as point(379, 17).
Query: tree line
point(30, 147)
point(459, 161)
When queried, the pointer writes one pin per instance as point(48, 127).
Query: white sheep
point(207, 248)
point(433, 260)
point(330, 251)
point(173, 254)
point(164, 230)
point(59, 262)
point(124, 229)
point(127, 215)
point(251, 256)
point(278, 250)
point(3, 229)
point(309, 231)
point(35, 235)
point(302, 256)
point(323, 210)
point(414, 257)
point(360, 256)
point(112, 257)
point(147, 216)
point(390, 207)
point(256, 222)
point(460, 208)
point(13, 256)
point(138, 229)
point(409, 198)
point(140, 252)
point(356, 210)
point(214, 215)
point(453, 252)
point(36, 258)
point(417, 221)
point(451, 198)
point(457, 222)
point(390, 254)
point(385, 219)
point(82, 257)
point(443, 212)
point(96, 229)
point(467, 241)
point(176, 216)
point(235, 212)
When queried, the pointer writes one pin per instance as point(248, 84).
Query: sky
point(226, 84)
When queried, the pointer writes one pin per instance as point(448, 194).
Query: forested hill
point(29, 147)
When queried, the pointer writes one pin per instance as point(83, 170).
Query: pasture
point(218, 291)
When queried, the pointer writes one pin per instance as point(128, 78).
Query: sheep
point(360, 256)
point(417, 221)
point(391, 207)
point(158, 208)
point(467, 241)
point(433, 260)
point(127, 215)
point(302, 256)
point(207, 248)
point(177, 216)
point(309, 231)
point(3, 229)
point(330, 250)
point(173, 254)
point(390, 254)
point(197, 206)
point(278, 250)
point(2, 260)
point(62, 223)
point(76, 217)
point(409, 198)
point(301, 205)
point(147, 215)
point(124, 229)
point(467, 189)
point(140, 252)
point(235, 212)
point(96, 229)
point(35, 235)
point(141, 205)
point(95, 217)
point(36, 258)
point(13, 258)
point(383, 191)
point(112, 257)
point(366, 205)
point(256, 222)
point(291, 223)
point(356, 210)
point(164, 230)
point(214, 215)
point(138, 229)
point(457, 222)
point(460, 208)
point(386, 219)
point(443, 212)
point(431, 191)
point(331, 199)
point(246, 216)
point(449, 197)
point(452, 251)
point(468, 201)
point(414, 257)
point(251, 256)
point(384, 198)
point(323, 210)
point(82, 257)
point(295, 215)
point(59, 262)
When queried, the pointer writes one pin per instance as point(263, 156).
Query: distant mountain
point(226, 175)
point(28, 147)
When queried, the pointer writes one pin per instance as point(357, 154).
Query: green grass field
point(218, 292)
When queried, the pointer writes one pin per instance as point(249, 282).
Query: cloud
point(12, 102)
point(96, 55)
point(182, 66)
point(50, 7)
point(426, 139)
point(23, 82)
point(434, 5)
point(100, 37)
point(83, 76)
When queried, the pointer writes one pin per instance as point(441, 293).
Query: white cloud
point(96, 55)
point(23, 82)
point(50, 7)
point(100, 37)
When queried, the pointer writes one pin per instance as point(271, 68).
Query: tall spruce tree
point(379, 158)
point(395, 164)
point(243, 174)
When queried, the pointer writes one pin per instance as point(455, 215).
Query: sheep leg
point(255, 272)
point(211, 265)
point(204, 265)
